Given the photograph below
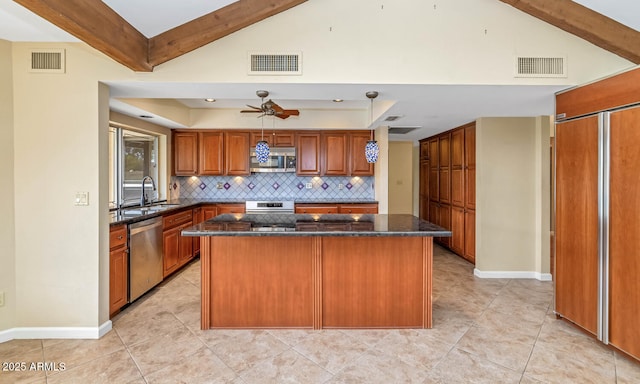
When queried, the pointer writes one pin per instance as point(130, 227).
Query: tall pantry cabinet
point(447, 187)
point(597, 209)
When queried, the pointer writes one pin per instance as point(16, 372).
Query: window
point(132, 155)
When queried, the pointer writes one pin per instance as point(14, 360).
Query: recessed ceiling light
point(338, 100)
point(146, 116)
point(209, 100)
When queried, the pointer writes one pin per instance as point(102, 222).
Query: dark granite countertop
point(316, 225)
point(134, 214)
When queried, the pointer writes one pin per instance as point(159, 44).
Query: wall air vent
point(392, 118)
point(47, 61)
point(275, 63)
point(401, 130)
point(541, 67)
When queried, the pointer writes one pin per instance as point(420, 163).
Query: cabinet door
point(434, 213)
point(236, 149)
point(283, 139)
point(185, 153)
point(444, 150)
point(209, 212)
point(434, 157)
point(185, 246)
point(308, 153)
point(470, 145)
point(334, 153)
point(424, 150)
point(470, 188)
point(424, 190)
point(470, 236)
point(118, 278)
point(457, 187)
point(624, 231)
point(434, 187)
point(211, 157)
point(444, 186)
point(457, 230)
point(457, 147)
point(358, 162)
point(171, 248)
point(577, 222)
point(444, 215)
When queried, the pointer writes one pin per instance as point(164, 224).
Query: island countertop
point(397, 225)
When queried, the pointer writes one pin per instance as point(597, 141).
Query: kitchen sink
point(133, 211)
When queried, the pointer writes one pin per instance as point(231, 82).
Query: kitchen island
point(316, 271)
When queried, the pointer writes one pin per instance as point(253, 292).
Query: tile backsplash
point(260, 186)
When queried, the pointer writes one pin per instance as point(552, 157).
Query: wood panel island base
point(352, 276)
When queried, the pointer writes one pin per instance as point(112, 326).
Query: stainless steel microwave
point(281, 159)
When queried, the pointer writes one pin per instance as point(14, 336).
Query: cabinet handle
point(120, 237)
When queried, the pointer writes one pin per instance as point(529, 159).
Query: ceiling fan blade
point(250, 111)
point(256, 108)
point(291, 112)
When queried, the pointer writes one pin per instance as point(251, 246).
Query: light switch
point(82, 198)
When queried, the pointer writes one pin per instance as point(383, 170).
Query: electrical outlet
point(340, 186)
point(1, 299)
point(308, 185)
point(219, 185)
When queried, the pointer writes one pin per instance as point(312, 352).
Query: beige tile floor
point(485, 331)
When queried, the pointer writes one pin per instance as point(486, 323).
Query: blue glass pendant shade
point(262, 152)
point(371, 151)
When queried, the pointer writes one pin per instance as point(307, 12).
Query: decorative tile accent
point(262, 186)
point(203, 186)
point(325, 186)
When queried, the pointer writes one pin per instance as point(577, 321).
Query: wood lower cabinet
point(457, 230)
point(209, 212)
point(178, 249)
point(316, 208)
point(118, 268)
point(230, 208)
point(358, 208)
point(470, 235)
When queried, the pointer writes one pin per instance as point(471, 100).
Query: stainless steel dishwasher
point(145, 257)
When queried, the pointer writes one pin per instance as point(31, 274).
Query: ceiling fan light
point(371, 151)
point(262, 151)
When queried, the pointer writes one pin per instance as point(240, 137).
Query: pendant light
point(371, 150)
point(262, 147)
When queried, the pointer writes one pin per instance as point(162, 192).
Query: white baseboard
point(55, 332)
point(512, 275)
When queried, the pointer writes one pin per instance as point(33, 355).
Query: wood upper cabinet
point(211, 153)
point(308, 153)
point(358, 165)
point(118, 268)
point(236, 145)
point(470, 145)
point(424, 150)
point(185, 153)
point(434, 156)
point(334, 153)
point(274, 138)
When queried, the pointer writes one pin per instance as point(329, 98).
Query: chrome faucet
point(143, 197)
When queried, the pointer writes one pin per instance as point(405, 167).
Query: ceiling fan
point(270, 108)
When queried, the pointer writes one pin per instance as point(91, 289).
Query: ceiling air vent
point(275, 63)
point(47, 61)
point(541, 67)
point(401, 130)
point(392, 118)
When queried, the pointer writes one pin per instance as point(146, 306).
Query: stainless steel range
point(265, 207)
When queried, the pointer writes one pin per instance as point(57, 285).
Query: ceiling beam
point(589, 25)
point(210, 27)
point(93, 22)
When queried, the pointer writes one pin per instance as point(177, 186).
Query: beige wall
point(59, 129)
point(7, 224)
point(512, 197)
point(401, 177)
